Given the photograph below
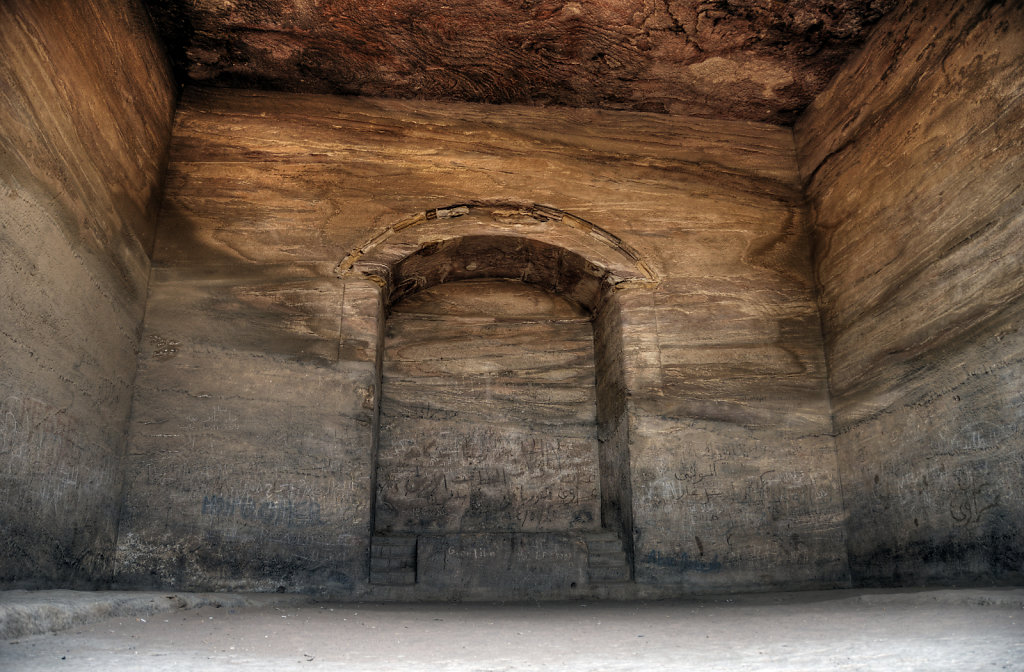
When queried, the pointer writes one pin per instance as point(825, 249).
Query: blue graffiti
point(284, 512)
point(683, 562)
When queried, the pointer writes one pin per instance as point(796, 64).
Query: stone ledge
point(34, 612)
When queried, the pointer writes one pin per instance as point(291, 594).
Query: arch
point(542, 246)
point(534, 243)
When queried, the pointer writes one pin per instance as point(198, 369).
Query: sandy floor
point(840, 630)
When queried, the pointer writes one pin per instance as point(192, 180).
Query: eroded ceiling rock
point(740, 59)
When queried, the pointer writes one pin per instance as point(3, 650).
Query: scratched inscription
point(286, 512)
point(488, 479)
point(528, 562)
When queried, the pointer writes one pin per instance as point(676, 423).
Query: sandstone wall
point(488, 413)
point(913, 162)
point(86, 105)
point(255, 419)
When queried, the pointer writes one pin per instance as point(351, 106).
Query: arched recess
point(561, 254)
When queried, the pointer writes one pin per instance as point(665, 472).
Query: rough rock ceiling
point(739, 59)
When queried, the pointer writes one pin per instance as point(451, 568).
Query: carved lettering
point(285, 512)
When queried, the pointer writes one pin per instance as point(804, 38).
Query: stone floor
point(834, 630)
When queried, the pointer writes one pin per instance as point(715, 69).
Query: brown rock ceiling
point(740, 59)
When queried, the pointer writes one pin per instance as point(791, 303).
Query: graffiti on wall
point(285, 512)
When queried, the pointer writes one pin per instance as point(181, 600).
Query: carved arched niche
point(586, 268)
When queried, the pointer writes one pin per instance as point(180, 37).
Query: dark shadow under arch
point(556, 269)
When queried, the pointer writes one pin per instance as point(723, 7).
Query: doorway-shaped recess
point(488, 414)
point(501, 462)
point(488, 468)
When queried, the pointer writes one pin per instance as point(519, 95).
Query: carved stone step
point(606, 558)
point(618, 574)
point(393, 561)
point(392, 564)
point(604, 546)
point(401, 578)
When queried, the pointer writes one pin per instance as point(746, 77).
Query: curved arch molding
point(533, 243)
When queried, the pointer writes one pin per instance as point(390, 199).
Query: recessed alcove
point(488, 437)
point(501, 448)
point(488, 413)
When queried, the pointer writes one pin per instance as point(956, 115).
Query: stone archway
point(580, 266)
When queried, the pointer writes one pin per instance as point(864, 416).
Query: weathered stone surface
point(439, 350)
point(718, 359)
point(913, 159)
point(488, 413)
point(86, 103)
point(742, 59)
point(248, 453)
point(529, 565)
